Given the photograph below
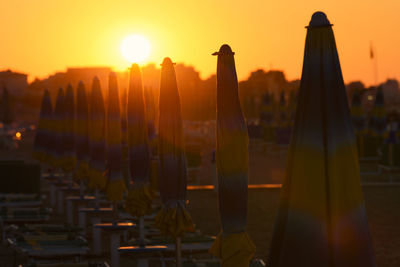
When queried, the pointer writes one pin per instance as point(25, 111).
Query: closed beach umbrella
point(42, 142)
point(378, 115)
point(139, 198)
point(282, 110)
point(376, 126)
point(115, 187)
point(69, 159)
point(359, 121)
point(173, 219)
point(82, 134)
point(58, 125)
point(321, 219)
point(6, 113)
point(232, 245)
point(97, 137)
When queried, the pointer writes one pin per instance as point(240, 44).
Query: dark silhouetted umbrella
point(69, 160)
point(115, 186)
point(6, 113)
point(42, 144)
point(173, 219)
point(321, 219)
point(97, 137)
point(58, 126)
point(359, 121)
point(82, 134)
point(232, 245)
point(139, 199)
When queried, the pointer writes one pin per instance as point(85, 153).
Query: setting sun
point(135, 48)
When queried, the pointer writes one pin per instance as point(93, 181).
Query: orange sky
point(43, 36)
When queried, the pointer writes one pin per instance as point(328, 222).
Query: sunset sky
point(44, 36)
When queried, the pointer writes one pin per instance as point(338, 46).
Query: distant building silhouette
point(15, 82)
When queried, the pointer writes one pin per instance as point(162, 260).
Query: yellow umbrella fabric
point(82, 134)
point(139, 199)
point(233, 246)
point(321, 219)
point(43, 138)
point(173, 219)
point(97, 135)
point(115, 187)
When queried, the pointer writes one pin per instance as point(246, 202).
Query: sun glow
point(135, 48)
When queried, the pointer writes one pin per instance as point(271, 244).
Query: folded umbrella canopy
point(42, 142)
point(376, 126)
point(292, 106)
point(321, 219)
point(139, 199)
point(82, 134)
point(173, 219)
point(232, 245)
point(115, 186)
point(58, 125)
point(6, 112)
point(359, 121)
point(378, 115)
point(69, 159)
point(282, 118)
point(97, 138)
point(267, 117)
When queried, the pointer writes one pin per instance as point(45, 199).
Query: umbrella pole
point(115, 213)
point(96, 203)
point(178, 249)
point(81, 189)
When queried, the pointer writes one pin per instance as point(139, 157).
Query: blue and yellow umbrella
point(139, 199)
point(43, 138)
point(69, 160)
point(115, 186)
point(173, 219)
point(321, 219)
point(82, 134)
point(97, 138)
point(232, 245)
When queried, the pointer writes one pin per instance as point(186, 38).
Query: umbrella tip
point(167, 62)
point(319, 19)
point(135, 66)
point(224, 49)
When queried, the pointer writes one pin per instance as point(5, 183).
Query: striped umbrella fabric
point(58, 127)
point(321, 219)
point(42, 143)
point(173, 219)
point(139, 198)
point(233, 246)
point(115, 187)
point(82, 134)
point(69, 160)
point(97, 137)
